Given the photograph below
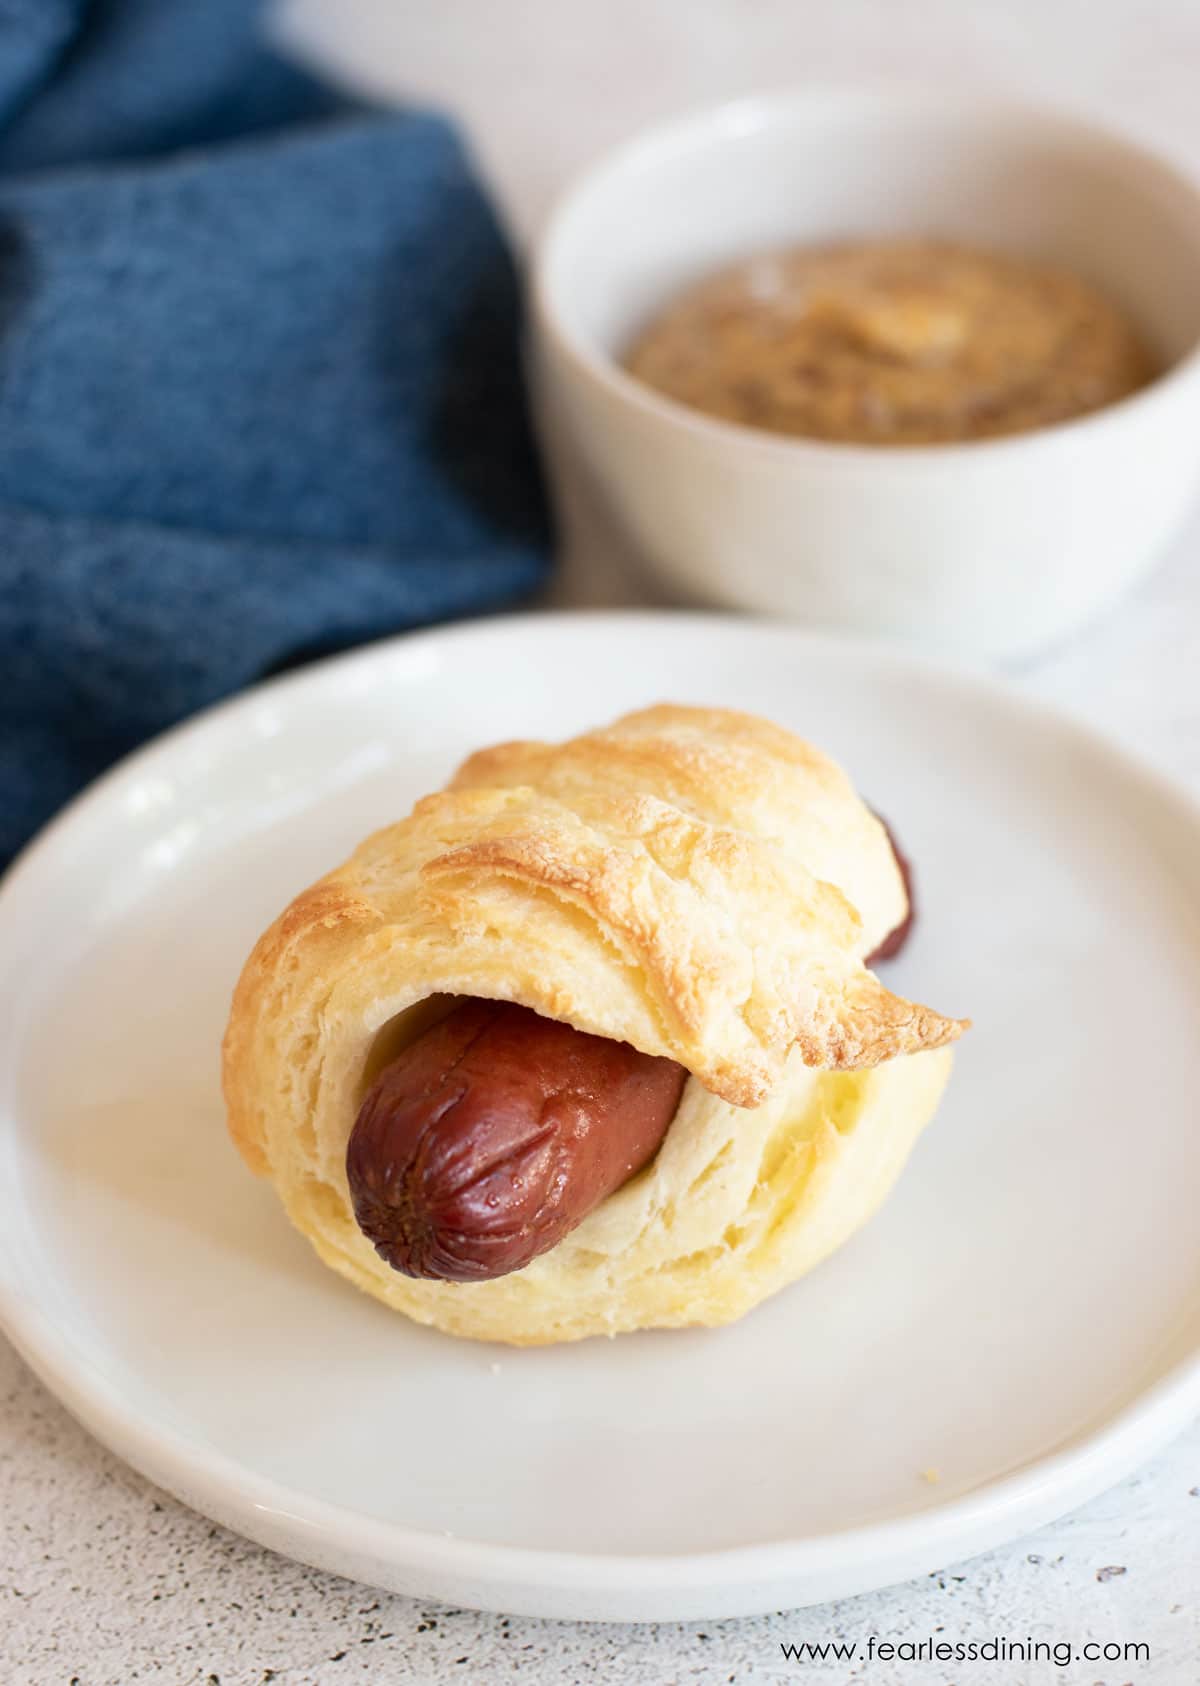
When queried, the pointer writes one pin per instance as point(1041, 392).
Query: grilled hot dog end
point(494, 1134)
point(891, 945)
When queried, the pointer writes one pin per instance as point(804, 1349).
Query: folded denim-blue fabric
point(260, 392)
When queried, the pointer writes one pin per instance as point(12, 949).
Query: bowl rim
point(764, 109)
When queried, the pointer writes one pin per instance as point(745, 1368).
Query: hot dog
point(497, 1132)
point(895, 940)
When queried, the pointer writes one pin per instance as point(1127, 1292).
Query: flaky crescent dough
point(697, 882)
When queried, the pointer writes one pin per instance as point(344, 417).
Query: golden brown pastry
point(696, 883)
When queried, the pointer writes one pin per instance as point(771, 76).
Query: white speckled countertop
point(104, 1581)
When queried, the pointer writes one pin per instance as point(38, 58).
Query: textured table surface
point(104, 1581)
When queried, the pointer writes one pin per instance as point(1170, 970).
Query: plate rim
point(998, 1509)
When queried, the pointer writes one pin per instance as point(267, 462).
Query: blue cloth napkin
point(259, 384)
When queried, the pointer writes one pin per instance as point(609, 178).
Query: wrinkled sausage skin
point(494, 1134)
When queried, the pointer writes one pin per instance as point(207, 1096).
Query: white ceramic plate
point(1022, 1319)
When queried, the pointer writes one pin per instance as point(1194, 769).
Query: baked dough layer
point(697, 882)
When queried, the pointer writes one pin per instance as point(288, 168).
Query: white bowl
point(988, 548)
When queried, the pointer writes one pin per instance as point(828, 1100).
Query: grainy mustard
point(892, 343)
